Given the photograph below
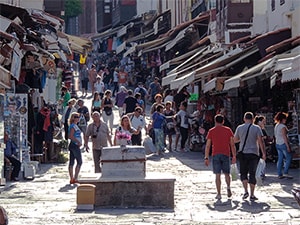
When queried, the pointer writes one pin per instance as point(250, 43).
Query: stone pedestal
point(156, 190)
point(123, 161)
point(124, 182)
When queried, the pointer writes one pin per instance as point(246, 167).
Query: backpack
point(142, 92)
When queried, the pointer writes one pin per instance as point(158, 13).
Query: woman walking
point(74, 147)
point(282, 146)
point(158, 119)
point(107, 108)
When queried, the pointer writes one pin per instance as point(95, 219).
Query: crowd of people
point(169, 126)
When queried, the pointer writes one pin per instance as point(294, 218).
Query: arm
point(233, 150)
point(109, 139)
point(262, 147)
point(207, 148)
point(286, 141)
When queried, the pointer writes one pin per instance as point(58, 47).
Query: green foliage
point(62, 157)
point(73, 8)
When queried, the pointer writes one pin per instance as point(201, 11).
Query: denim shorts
point(221, 163)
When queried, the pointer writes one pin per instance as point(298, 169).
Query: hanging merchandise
point(15, 122)
point(82, 59)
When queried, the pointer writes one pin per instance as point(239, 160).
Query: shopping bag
point(234, 172)
point(149, 146)
point(260, 172)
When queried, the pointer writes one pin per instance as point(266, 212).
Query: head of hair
point(138, 108)
point(159, 107)
point(72, 117)
point(258, 118)
point(219, 118)
point(184, 104)
point(280, 116)
point(168, 103)
point(122, 122)
point(157, 96)
point(129, 92)
point(248, 116)
point(107, 92)
point(137, 95)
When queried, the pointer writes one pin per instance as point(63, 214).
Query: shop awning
point(121, 47)
point(178, 37)
point(5, 78)
point(130, 50)
point(293, 71)
point(182, 81)
point(123, 30)
point(215, 83)
point(106, 34)
point(234, 82)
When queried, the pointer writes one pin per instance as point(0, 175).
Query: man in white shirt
point(99, 86)
point(138, 122)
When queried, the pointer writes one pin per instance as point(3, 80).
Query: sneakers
point(245, 196)
point(229, 194)
point(218, 196)
point(287, 176)
point(253, 198)
point(280, 177)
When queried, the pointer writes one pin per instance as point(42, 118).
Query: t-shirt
point(220, 138)
point(278, 133)
point(251, 146)
point(184, 120)
point(131, 103)
point(123, 77)
point(77, 132)
point(101, 133)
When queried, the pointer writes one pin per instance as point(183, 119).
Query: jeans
point(283, 153)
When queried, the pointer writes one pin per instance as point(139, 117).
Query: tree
point(73, 8)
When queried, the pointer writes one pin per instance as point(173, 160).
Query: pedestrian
point(181, 96)
point(130, 103)
point(282, 145)
point(84, 115)
point(140, 101)
point(115, 81)
point(84, 77)
point(140, 89)
point(99, 86)
point(92, 77)
point(120, 98)
point(124, 132)
point(100, 135)
point(170, 131)
point(66, 115)
point(107, 108)
point(96, 102)
point(250, 141)
point(74, 147)
point(158, 101)
point(66, 96)
point(137, 122)
point(183, 125)
point(158, 119)
point(10, 155)
point(220, 138)
point(154, 89)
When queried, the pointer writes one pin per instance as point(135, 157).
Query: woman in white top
point(282, 145)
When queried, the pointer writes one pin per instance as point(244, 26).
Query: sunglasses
point(76, 117)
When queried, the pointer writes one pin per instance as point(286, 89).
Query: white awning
point(130, 50)
point(234, 81)
point(210, 85)
point(121, 47)
point(178, 37)
point(123, 30)
point(167, 79)
point(293, 71)
point(182, 81)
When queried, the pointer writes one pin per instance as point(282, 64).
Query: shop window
point(273, 5)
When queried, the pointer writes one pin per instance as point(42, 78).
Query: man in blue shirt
point(10, 153)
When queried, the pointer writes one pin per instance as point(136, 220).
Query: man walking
point(100, 134)
point(220, 138)
point(250, 137)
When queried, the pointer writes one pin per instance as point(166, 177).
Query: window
point(282, 2)
point(273, 5)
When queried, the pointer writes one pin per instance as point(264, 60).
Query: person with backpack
point(140, 89)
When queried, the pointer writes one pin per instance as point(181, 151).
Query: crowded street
point(50, 199)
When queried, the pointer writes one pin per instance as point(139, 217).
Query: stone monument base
point(155, 190)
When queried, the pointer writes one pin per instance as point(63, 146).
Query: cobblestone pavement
point(50, 199)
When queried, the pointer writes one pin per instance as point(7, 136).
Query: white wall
point(277, 19)
point(260, 20)
point(145, 6)
point(34, 4)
